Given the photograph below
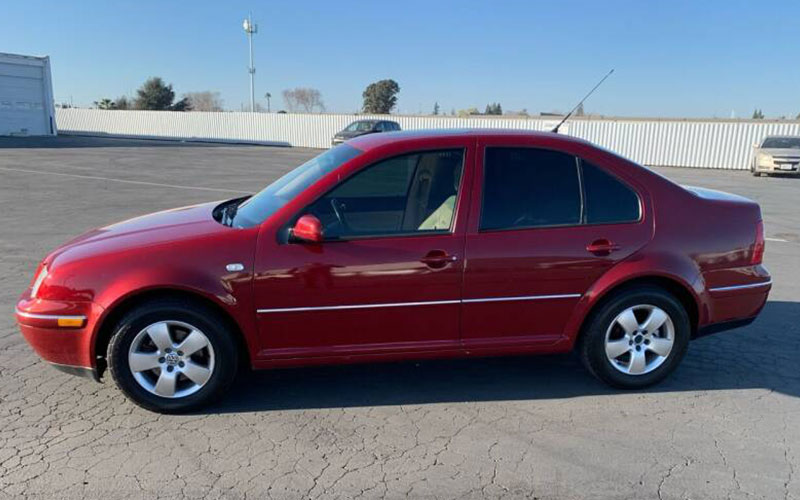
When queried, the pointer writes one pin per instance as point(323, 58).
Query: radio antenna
point(555, 130)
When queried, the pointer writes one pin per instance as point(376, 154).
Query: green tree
point(156, 95)
point(579, 110)
point(493, 109)
point(758, 115)
point(436, 108)
point(380, 97)
point(122, 102)
point(183, 105)
point(105, 103)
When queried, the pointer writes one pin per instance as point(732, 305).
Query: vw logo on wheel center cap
point(171, 359)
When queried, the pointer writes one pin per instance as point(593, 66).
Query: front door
point(387, 277)
point(549, 224)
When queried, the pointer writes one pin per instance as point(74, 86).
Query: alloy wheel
point(640, 339)
point(171, 359)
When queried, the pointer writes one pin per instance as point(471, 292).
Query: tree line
point(378, 98)
point(156, 95)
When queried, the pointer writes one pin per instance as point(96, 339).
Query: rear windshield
point(273, 197)
point(781, 143)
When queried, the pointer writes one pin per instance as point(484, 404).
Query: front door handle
point(601, 246)
point(438, 258)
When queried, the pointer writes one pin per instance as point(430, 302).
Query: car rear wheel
point(636, 338)
point(172, 356)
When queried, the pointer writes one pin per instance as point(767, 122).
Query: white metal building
point(26, 96)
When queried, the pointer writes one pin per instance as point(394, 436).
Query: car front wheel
point(636, 338)
point(172, 356)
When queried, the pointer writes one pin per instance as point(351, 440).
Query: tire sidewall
point(593, 351)
point(225, 358)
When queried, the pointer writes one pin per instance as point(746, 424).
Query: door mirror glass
point(307, 229)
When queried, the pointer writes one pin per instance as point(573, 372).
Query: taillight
point(758, 246)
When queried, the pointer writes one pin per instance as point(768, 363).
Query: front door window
point(408, 194)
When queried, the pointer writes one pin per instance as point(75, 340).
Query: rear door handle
point(601, 246)
point(438, 258)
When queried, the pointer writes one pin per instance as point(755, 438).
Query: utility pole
point(251, 29)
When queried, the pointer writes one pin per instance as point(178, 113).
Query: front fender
point(228, 291)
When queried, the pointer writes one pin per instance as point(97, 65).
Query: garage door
point(22, 98)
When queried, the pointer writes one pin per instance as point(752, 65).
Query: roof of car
point(366, 142)
point(372, 120)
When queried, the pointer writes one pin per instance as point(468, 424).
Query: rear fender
point(680, 270)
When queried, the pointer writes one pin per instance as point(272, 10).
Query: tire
point(146, 365)
point(644, 358)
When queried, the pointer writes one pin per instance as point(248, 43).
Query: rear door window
point(529, 188)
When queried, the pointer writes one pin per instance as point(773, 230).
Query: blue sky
point(676, 58)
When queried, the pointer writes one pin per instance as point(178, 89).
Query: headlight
point(764, 160)
point(38, 282)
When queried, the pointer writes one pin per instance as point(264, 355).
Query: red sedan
point(404, 246)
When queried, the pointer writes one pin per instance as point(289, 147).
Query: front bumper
point(60, 332)
point(790, 169)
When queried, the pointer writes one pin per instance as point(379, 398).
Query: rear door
point(544, 225)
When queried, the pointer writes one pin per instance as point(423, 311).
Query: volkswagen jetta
point(404, 246)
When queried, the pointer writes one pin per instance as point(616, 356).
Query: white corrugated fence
point(680, 143)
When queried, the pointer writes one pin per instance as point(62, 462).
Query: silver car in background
point(776, 154)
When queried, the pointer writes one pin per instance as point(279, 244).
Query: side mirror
point(307, 229)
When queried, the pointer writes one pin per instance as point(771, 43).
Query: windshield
point(781, 143)
point(270, 199)
point(359, 127)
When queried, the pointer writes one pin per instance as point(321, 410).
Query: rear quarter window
point(608, 200)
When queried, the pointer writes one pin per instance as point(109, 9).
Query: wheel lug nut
point(161, 360)
point(180, 353)
point(647, 342)
point(630, 342)
point(638, 348)
point(170, 368)
point(168, 350)
point(181, 364)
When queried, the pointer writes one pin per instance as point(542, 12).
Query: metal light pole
point(268, 96)
point(251, 29)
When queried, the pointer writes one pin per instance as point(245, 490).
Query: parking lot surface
point(725, 425)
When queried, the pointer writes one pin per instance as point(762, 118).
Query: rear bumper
point(724, 326)
point(61, 333)
point(732, 306)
